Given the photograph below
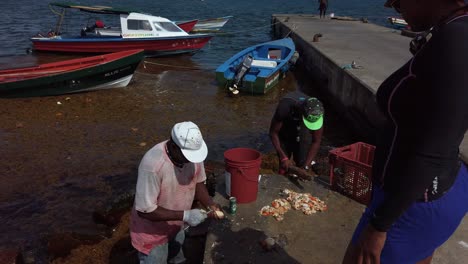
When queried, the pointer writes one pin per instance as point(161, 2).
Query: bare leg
point(426, 260)
point(350, 256)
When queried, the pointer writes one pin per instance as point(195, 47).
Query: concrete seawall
point(377, 52)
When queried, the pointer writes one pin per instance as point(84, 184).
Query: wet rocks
point(60, 245)
point(109, 219)
point(268, 244)
point(274, 243)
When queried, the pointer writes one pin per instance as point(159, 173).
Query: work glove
point(194, 217)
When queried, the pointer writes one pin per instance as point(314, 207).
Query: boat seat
point(109, 31)
point(264, 63)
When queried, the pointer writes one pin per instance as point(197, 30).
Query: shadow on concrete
point(194, 249)
point(123, 252)
point(245, 246)
point(323, 181)
point(297, 182)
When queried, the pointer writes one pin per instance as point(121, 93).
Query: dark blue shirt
point(426, 105)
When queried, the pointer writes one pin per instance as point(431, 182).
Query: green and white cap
point(313, 114)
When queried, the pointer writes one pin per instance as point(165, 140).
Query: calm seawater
point(58, 194)
point(22, 19)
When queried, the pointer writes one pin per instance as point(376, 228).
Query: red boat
point(156, 35)
point(71, 76)
point(187, 26)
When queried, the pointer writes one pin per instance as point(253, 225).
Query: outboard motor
point(240, 73)
point(294, 58)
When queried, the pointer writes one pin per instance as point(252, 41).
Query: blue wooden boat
point(259, 68)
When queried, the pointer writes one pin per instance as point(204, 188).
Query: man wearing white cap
point(170, 176)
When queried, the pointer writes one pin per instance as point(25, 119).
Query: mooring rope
point(294, 28)
point(176, 66)
point(55, 12)
point(249, 30)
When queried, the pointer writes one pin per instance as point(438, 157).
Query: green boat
point(71, 76)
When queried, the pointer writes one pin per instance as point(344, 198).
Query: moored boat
point(158, 36)
point(211, 24)
point(187, 26)
point(105, 71)
point(397, 23)
point(257, 69)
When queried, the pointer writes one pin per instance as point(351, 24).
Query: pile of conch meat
point(305, 202)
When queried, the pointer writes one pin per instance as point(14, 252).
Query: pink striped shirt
point(160, 183)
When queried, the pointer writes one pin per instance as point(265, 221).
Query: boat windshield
point(166, 26)
point(134, 24)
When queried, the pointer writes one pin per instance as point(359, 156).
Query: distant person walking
point(323, 7)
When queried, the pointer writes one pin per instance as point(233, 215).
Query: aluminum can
point(232, 205)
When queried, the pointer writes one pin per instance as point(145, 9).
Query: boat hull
point(258, 86)
point(212, 24)
point(187, 26)
point(152, 46)
point(109, 74)
point(397, 23)
point(260, 78)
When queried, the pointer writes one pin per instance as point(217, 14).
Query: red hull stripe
point(115, 45)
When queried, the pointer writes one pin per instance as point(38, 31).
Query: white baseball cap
point(188, 137)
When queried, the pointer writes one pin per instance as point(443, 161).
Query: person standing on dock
point(296, 130)
point(323, 4)
point(170, 176)
point(420, 185)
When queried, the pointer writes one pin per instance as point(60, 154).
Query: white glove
point(194, 217)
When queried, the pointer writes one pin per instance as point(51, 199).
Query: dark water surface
point(63, 157)
point(21, 19)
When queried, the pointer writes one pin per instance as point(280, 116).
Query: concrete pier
point(322, 238)
point(377, 52)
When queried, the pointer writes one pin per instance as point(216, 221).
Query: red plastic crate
point(351, 171)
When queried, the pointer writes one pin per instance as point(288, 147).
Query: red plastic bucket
point(244, 166)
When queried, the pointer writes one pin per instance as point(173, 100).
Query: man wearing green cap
point(296, 130)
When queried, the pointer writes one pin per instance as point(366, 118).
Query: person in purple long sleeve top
point(420, 185)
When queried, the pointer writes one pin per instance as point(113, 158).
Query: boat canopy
point(94, 9)
point(136, 25)
point(132, 24)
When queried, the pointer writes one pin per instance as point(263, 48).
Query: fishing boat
point(157, 36)
point(257, 69)
point(187, 26)
point(397, 23)
point(211, 24)
point(204, 25)
point(105, 71)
